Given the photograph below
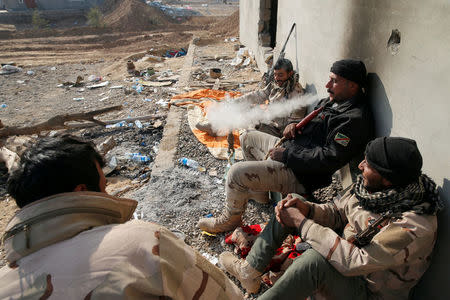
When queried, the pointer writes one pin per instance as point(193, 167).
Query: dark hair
point(55, 165)
point(284, 64)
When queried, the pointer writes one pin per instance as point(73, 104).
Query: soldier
point(306, 160)
point(388, 224)
point(71, 240)
point(284, 86)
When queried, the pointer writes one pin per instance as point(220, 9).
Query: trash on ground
point(107, 145)
point(94, 78)
point(117, 125)
point(116, 87)
point(162, 102)
point(30, 73)
point(156, 83)
point(9, 69)
point(157, 124)
point(138, 124)
point(78, 98)
point(95, 86)
point(212, 259)
point(175, 53)
point(3, 105)
point(191, 164)
point(138, 157)
point(208, 233)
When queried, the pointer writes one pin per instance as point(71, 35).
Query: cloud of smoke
point(228, 115)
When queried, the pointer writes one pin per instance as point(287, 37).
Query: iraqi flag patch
point(342, 139)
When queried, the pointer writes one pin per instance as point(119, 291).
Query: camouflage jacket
point(392, 263)
point(273, 93)
point(78, 246)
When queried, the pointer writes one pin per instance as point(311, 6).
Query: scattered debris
point(96, 86)
point(9, 69)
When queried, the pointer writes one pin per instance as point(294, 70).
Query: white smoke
point(228, 115)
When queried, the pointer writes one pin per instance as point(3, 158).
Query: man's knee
point(310, 261)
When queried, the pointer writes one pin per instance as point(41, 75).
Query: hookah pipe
point(299, 126)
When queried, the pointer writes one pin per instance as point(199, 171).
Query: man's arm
point(256, 97)
point(334, 154)
point(328, 214)
point(391, 247)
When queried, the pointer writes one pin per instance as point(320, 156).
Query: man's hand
point(290, 131)
point(291, 217)
point(277, 153)
point(291, 202)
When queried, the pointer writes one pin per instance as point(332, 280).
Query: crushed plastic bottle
point(191, 164)
point(138, 157)
point(117, 125)
point(138, 124)
point(94, 78)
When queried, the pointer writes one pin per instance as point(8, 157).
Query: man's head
point(347, 77)
point(283, 70)
point(57, 165)
point(390, 161)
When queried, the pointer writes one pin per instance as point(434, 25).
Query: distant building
point(23, 5)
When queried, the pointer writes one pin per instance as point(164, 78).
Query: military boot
point(249, 277)
point(224, 222)
point(206, 127)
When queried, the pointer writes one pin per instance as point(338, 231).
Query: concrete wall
point(408, 85)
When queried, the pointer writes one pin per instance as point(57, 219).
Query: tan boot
point(224, 222)
point(206, 127)
point(249, 277)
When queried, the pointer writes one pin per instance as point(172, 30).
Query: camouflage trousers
point(253, 178)
point(310, 273)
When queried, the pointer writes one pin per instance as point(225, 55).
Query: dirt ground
point(58, 55)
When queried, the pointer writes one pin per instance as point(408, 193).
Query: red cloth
point(243, 239)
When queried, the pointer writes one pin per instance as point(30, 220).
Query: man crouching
point(69, 240)
point(388, 224)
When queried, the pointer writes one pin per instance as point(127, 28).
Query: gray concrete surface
point(168, 146)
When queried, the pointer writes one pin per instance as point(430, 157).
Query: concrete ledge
point(168, 146)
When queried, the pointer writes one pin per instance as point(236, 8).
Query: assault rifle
point(365, 237)
point(268, 76)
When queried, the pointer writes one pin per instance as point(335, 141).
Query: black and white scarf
point(420, 197)
point(286, 88)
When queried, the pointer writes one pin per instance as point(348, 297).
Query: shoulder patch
point(342, 139)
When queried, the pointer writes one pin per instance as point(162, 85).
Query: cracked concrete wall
point(405, 46)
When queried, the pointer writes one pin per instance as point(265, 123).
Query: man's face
point(281, 76)
point(339, 88)
point(373, 181)
point(102, 180)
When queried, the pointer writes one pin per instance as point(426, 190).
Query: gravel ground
point(180, 196)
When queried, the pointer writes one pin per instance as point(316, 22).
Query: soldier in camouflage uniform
point(307, 159)
point(71, 240)
point(388, 224)
point(283, 87)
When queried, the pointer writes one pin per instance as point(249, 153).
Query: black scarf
point(420, 197)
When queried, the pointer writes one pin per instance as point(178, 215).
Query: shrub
point(95, 17)
point(38, 21)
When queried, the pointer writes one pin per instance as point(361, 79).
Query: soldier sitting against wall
point(307, 159)
point(388, 225)
point(71, 240)
point(284, 86)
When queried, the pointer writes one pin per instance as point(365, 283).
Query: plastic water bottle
point(138, 157)
point(191, 164)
